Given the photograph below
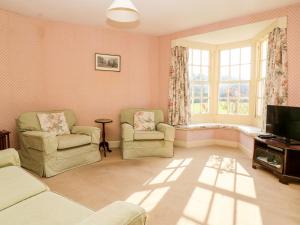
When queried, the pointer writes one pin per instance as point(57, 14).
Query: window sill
point(248, 130)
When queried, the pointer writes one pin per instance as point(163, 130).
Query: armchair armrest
point(168, 130)
point(117, 213)
point(93, 132)
point(127, 132)
point(9, 157)
point(41, 141)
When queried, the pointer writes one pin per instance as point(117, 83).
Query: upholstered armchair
point(47, 154)
point(137, 144)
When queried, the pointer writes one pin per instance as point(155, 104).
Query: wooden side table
point(4, 139)
point(104, 144)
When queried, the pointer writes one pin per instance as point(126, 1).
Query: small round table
point(104, 144)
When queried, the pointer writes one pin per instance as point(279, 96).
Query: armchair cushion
point(93, 132)
point(117, 213)
point(169, 131)
point(9, 157)
point(41, 141)
point(127, 132)
point(148, 135)
point(72, 140)
point(144, 121)
point(54, 123)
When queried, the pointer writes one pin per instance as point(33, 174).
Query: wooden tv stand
point(280, 158)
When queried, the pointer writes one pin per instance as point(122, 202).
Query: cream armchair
point(137, 144)
point(47, 154)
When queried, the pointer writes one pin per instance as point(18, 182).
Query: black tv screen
point(283, 121)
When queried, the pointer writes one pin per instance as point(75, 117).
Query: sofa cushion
point(17, 185)
point(72, 140)
point(148, 135)
point(127, 115)
point(46, 208)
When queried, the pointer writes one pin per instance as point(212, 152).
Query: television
point(284, 123)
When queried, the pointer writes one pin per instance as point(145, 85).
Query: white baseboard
point(199, 143)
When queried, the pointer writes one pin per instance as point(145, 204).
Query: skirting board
point(201, 143)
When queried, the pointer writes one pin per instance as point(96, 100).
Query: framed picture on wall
point(107, 62)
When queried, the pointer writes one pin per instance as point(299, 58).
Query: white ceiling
point(231, 35)
point(158, 17)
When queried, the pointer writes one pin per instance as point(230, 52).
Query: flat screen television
point(284, 122)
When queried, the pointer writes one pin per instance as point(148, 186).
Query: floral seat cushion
point(54, 123)
point(144, 121)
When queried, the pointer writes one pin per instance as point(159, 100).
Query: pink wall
point(50, 65)
point(293, 13)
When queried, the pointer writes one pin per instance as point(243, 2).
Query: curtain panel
point(179, 110)
point(276, 86)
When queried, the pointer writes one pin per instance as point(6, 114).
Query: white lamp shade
point(123, 11)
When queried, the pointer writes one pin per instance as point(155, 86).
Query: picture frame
point(107, 62)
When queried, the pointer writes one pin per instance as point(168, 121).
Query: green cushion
point(46, 208)
point(148, 135)
point(16, 186)
point(29, 121)
point(127, 115)
point(72, 140)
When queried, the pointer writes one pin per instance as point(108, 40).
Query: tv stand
point(280, 158)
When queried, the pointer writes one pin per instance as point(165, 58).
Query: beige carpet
point(208, 185)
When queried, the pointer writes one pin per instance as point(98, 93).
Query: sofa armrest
point(41, 141)
point(117, 213)
point(168, 130)
point(93, 132)
point(9, 157)
point(127, 132)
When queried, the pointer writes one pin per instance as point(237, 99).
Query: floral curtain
point(179, 102)
point(276, 87)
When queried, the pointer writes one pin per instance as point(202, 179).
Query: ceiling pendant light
point(123, 11)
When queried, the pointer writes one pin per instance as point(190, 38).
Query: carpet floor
point(208, 185)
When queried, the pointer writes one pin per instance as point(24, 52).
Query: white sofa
point(26, 200)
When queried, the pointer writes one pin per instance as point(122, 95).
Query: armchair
point(47, 154)
point(137, 144)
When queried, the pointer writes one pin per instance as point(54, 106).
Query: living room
point(212, 81)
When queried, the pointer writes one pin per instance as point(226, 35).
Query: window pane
point(196, 73)
point(205, 58)
point(246, 55)
point(234, 90)
point(197, 91)
point(205, 91)
point(204, 73)
point(190, 56)
point(259, 106)
point(235, 56)
point(223, 92)
point(224, 75)
point(196, 106)
point(196, 57)
point(224, 58)
point(243, 107)
point(245, 72)
point(233, 106)
point(235, 72)
point(223, 106)
point(264, 50)
point(244, 90)
point(204, 106)
point(263, 69)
